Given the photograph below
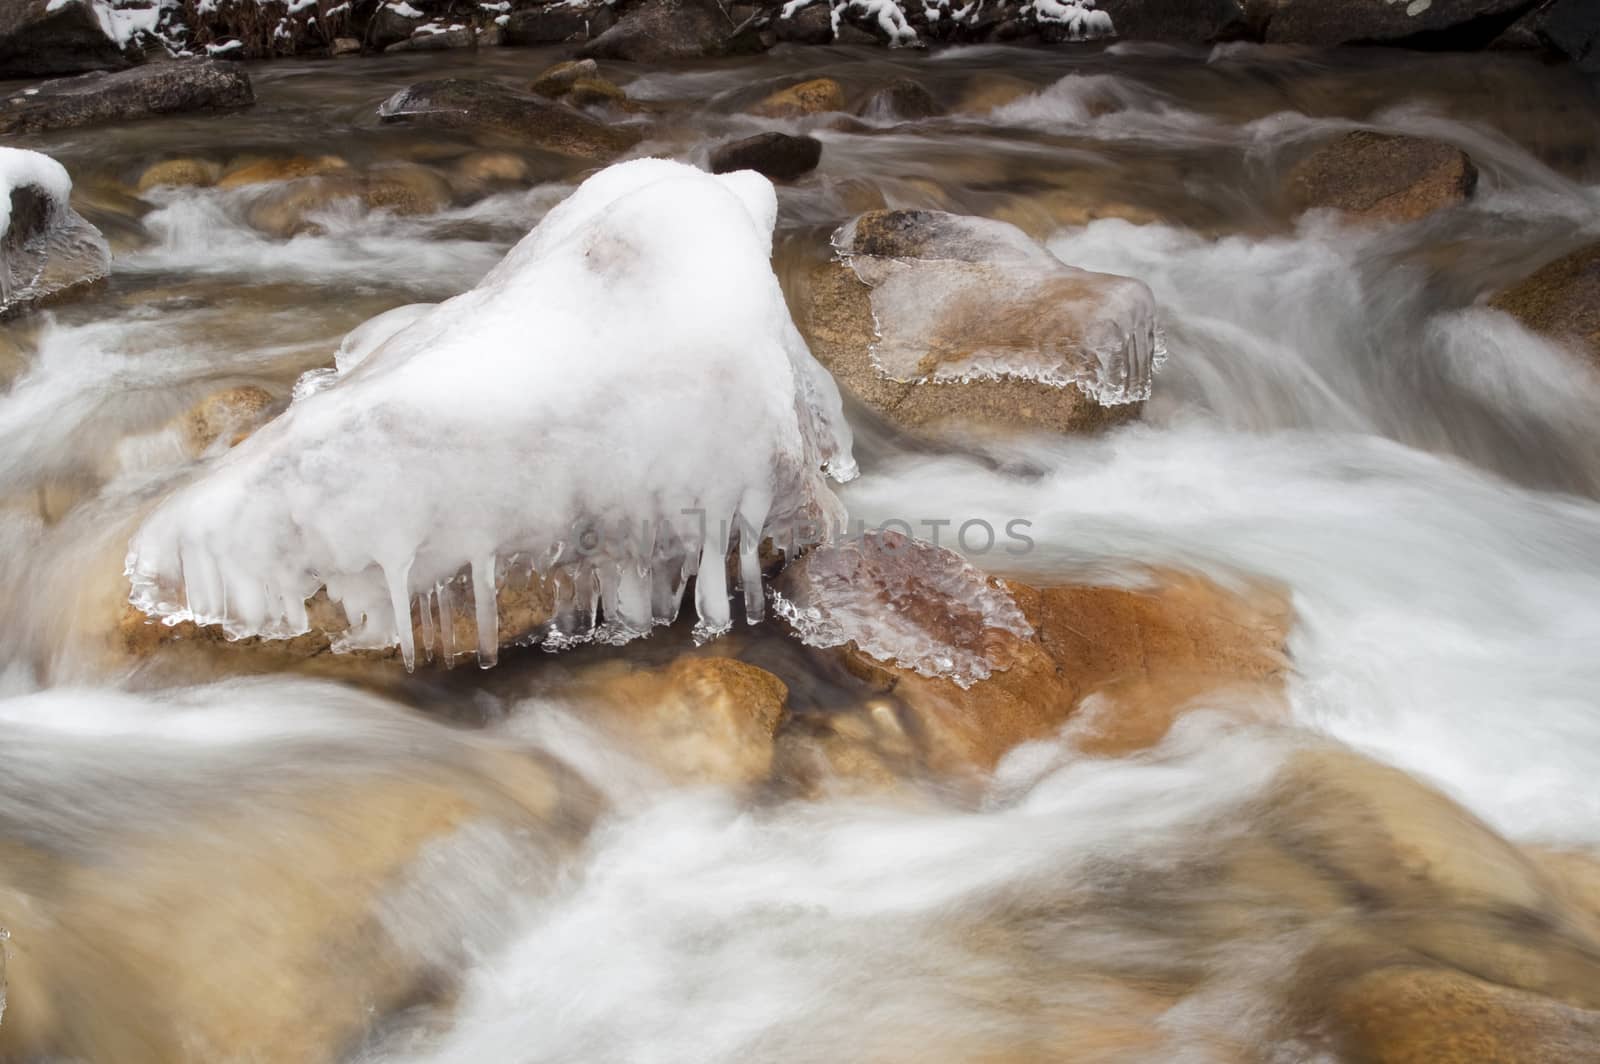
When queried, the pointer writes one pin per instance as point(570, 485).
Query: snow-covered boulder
point(143, 92)
point(42, 38)
point(617, 406)
point(940, 320)
point(45, 245)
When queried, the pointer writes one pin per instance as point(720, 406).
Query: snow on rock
point(1077, 20)
point(628, 367)
point(958, 298)
point(45, 245)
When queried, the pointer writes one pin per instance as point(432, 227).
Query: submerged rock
point(1561, 300)
point(46, 247)
point(977, 666)
point(776, 155)
point(1426, 1015)
point(266, 171)
point(941, 321)
point(465, 103)
point(330, 869)
point(43, 38)
point(902, 99)
point(655, 31)
point(143, 92)
point(698, 720)
point(817, 96)
point(182, 172)
point(1382, 177)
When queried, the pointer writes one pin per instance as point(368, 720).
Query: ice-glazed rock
point(959, 298)
point(970, 667)
point(45, 245)
point(619, 405)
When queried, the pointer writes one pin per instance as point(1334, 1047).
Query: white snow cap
point(66, 250)
point(631, 362)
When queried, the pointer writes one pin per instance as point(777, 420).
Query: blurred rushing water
point(225, 859)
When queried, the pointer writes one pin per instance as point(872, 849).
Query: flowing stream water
point(1338, 414)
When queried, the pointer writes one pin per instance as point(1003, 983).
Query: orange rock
point(812, 97)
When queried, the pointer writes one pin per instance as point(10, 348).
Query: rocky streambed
point(1141, 605)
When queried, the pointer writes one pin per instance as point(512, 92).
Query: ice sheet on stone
point(966, 298)
point(619, 404)
point(43, 255)
point(900, 600)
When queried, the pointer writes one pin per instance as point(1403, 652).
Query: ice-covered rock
point(45, 245)
point(959, 298)
point(617, 406)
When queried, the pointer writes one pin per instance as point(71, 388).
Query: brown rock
point(1417, 1015)
point(343, 46)
point(1003, 663)
point(988, 91)
point(1001, 301)
point(462, 103)
point(281, 917)
point(464, 37)
point(265, 171)
point(901, 99)
point(478, 173)
point(1381, 177)
point(405, 188)
point(231, 414)
point(699, 720)
point(1561, 300)
point(186, 172)
point(812, 97)
point(557, 81)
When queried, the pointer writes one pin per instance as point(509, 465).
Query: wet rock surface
point(659, 30)
point(143, 92)
point(463, 103)
point(40, 38)
point(1561, 300)
point(1381, 177)
point(994, 338)
point(779, 156)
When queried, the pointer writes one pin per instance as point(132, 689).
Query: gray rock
point(1572, 27)
point(654, 31)
point(1455, 24)
point(143, 92)
point(47, 248)
point(554, 23)
point(1183, 21)
point(38, 42)
point(779, 156)
point(466, 103)
point(465, 37)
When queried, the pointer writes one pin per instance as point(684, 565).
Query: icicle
point(633, 596)
point(447, 624)
point(752, 516)
point(483, 601)
point(425, 610)
point(294, 611)
point(400, 600)
point(711, 587)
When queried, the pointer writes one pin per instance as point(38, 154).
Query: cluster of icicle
point(63, 250)
point(619, 405)
point(1108, 344)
